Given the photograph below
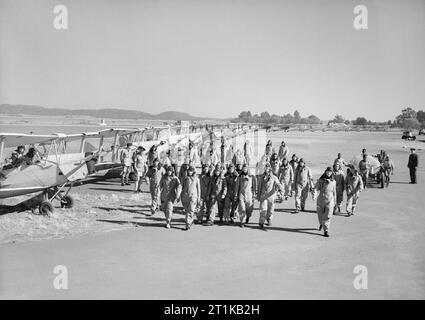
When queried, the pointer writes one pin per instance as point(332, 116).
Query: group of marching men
point(226, 188)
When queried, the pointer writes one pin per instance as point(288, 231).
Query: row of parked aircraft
point(57, 161)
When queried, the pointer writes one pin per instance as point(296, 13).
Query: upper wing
point(22, 139)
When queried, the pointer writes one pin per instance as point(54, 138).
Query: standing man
point(340, 161)
point(140, 168)
point(275, 164)
point(286, 177)
point(126, 157)
point(155, 174)
point(244, 195)
point(191, 155)
point(230, 203)
point(191, 195)
point(217, 192)
point(247, 152)
point(283, 151)
point(204, 182)
point(326, 187)
point(364, 169)
point(239, 158)
point(303, 182)
point(412, 165)
point(170, 192)
point(268, 185)
point(340, 185)
point(183, 171)
point(353, 187)
point(294, 164)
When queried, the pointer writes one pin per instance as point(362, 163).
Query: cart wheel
point(45, 208)
point(67, 202)
point(132, 176)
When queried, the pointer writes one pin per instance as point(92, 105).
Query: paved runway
point(289, 260)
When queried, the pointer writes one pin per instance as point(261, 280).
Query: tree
point(410, 124)
point(313, 119)
point(287, 119)
point(265, 116)
point(297, 117)
point(360, 121)
point(420, 115)
point(338, 119)
point(406, 114)
point(275, 118)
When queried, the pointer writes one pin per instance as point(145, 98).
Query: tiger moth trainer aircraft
point(48, 172)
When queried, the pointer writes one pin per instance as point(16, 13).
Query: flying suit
point(191, 193)
point(268, 184)
point(326, 189)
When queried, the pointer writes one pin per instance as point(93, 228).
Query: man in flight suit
point(229, 202)
point(326, 188)
point(204, 181)
point(191, 194)
point(244, 194)
point(340, 185)
point(217, 191)
point(170, 192)
point(268, 185)
point(303, 182)
point(353, 187)
point(155, 173)
point(286, 177)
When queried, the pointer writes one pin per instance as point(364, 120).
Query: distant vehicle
point(407, 135)
point(102, 122)
point(422, 131)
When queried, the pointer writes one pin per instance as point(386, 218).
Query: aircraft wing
point(18, 139)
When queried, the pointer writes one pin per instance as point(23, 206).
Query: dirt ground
point(112, 248)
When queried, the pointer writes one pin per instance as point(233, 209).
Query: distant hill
point(106, 113)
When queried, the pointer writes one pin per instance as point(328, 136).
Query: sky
point(216, 58)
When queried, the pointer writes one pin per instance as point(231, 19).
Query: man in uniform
point(353, 187)
point(191, 194)
point(217, 191)
point(204, 181)
point(140, 167)
point(268, 185)
point(286, 177)
point(340, 161)
point(170, 192)
point(275, 164)
point(364, 169)
point(412, 165)
point(326, 188)
point(303, 182)
point(339, 177)
point(294, 164)
point(283, 151)
point(126, 158)
point(244, 194)
point(155, 174)
point(229, 202)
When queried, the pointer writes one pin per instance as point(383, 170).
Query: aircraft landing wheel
point(132, 176)
point(67, 202)
point(45, 208)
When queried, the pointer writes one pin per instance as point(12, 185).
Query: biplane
point(48, 171)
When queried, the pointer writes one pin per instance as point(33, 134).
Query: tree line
point(407, 119)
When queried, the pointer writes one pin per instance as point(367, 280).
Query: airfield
point(113, 249)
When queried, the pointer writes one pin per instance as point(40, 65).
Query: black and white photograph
point(205, 151)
